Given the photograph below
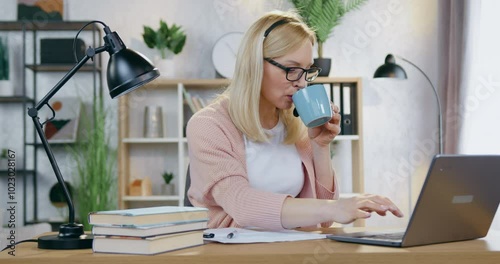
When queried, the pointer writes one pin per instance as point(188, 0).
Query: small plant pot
point(168, 189)
point(325, 65)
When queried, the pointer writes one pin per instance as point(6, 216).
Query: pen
point(209, 235)
point(232, 234)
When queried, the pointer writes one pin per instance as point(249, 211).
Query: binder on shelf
point(196, 102)
point(336, 101)
point(336, 94)
point(189, 100)
point(347, 106)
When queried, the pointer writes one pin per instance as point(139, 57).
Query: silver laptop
point(458, 201)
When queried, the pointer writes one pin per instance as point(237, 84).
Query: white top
point(273, 166)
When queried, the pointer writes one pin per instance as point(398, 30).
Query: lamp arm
point(440, 119)
point(33, 113)
point(91, 52)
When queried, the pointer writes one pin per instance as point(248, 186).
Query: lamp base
point(71, 236)
point(57, 242)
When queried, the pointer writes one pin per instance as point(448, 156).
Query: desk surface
point(485, 250)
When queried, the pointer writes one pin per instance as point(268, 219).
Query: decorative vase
point(153, 122)
point(168, 189)
point(166, 67)
point(324, 64)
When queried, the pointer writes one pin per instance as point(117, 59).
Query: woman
point(252, 163)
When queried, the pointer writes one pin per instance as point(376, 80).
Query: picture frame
point(64, 127)
point(40, 10)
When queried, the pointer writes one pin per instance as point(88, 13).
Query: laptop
point(458, 201)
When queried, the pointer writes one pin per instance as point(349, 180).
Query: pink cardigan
point(219, 178)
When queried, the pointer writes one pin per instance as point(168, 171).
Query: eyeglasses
point(295, 73)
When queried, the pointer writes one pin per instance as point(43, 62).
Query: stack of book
point(148, 231)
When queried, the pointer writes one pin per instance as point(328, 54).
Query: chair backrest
point(186, 188)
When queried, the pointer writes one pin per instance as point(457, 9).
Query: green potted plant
point(323, 16)
point(95, 186)
point(168, 188)
point(169, 41)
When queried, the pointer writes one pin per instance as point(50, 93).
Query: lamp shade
point(127, 71)
point(390, 69)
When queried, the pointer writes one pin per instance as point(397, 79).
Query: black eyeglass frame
point(288, 69)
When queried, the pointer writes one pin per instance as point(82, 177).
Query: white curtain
point(480, 102)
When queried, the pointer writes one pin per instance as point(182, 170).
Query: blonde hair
point(245, 88)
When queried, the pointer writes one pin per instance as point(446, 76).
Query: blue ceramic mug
point(313, 105)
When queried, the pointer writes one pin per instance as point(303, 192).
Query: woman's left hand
point(324, 134)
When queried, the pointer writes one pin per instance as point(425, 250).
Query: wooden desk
point(485, 250)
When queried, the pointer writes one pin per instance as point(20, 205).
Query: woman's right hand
point(347, 210)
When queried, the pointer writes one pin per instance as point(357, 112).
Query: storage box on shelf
point(139, 157)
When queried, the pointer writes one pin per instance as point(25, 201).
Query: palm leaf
point(324, 15)
point(353, 4)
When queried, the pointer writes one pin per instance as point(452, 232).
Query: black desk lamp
point(127, 71)
point(391, 70)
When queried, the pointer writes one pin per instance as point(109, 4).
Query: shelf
point(11, 25)
point(211, 83)
point(151, 140)
point(164, 83)
point(61, 67)
point(15, 99)
point(347, 137)
point(49, 25)
point(52, 144)
point(5, 172)
point(152, 198)
point(337, 79)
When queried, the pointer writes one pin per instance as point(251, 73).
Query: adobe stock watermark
point(485, 88)
point(363, 37)
point(321, 254)
point(11, 202)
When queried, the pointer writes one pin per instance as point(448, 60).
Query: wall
point(398, 115)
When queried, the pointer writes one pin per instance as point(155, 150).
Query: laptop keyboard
point(388, 236)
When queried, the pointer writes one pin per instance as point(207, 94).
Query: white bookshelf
point(139, 156)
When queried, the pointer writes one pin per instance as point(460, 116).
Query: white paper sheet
point(259, 236)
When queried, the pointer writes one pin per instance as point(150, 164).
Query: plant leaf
point(177, 39)
point(149, 37)
point(172, 38)
point(323, 15)
point(353, 4)
point(96, 184)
